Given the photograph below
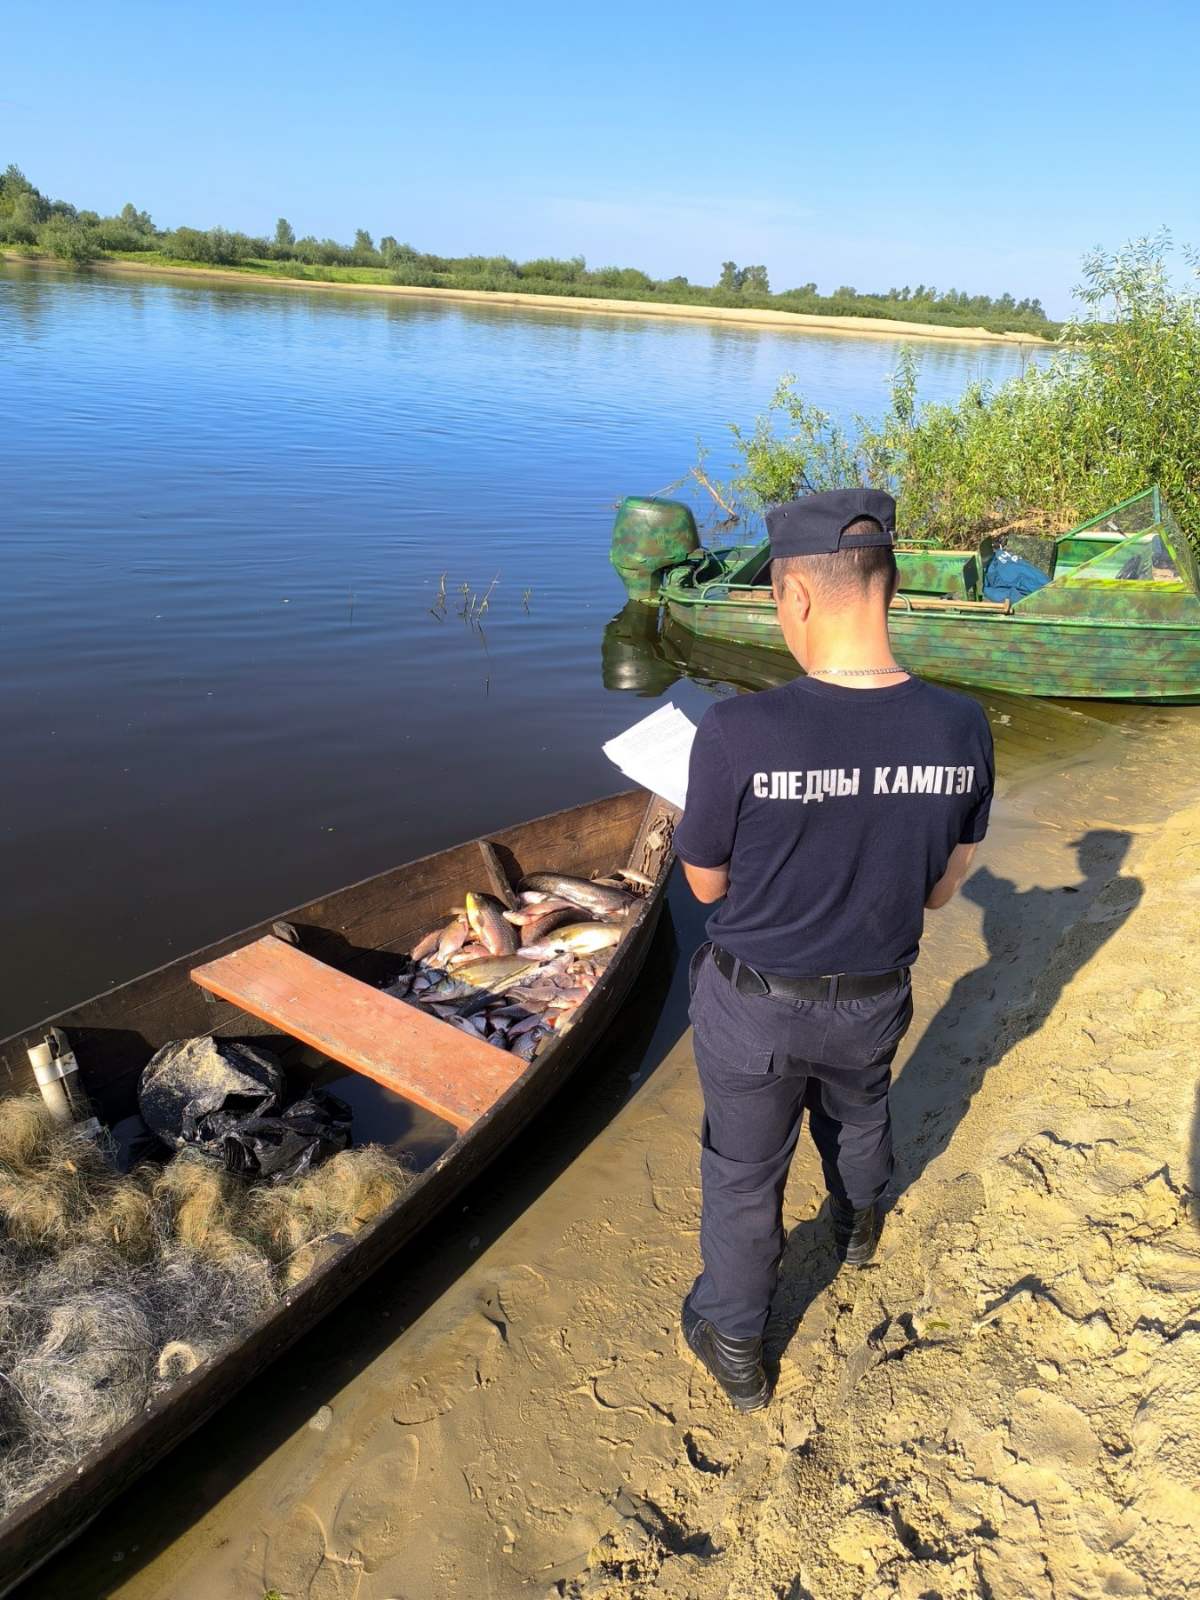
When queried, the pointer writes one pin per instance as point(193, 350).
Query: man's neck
point(853, 648)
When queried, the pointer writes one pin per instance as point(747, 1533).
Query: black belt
point(837, 986)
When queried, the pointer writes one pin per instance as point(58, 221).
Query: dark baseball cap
point(814, 525)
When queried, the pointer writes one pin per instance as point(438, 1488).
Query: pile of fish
point(515, 975)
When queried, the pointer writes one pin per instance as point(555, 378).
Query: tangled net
point(114, 1287)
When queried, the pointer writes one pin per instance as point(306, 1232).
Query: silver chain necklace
point(852, 672)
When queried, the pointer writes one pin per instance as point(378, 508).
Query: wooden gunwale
point(49, 1520)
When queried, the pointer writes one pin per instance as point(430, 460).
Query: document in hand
point(655, 752)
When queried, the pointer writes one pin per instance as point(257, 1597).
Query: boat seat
point(444, 1069)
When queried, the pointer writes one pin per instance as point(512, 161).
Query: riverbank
point(1003, 1407)
point(780, 320)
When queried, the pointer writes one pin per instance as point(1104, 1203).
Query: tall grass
point(1115, 410)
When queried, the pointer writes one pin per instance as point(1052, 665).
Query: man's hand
point(707, 883)
point(950, 881)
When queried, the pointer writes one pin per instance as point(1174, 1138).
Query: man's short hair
point(848, 575)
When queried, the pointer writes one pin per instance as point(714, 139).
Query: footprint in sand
point(446, 1366)
point(372, 1516)
point(295, 1553)
point(336, 1579)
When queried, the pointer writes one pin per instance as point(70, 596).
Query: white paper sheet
point(655, 752)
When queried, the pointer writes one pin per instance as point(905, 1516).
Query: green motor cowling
point(650, 535)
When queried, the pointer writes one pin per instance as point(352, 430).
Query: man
point(826, 816)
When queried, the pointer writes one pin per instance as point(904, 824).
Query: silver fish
point(640, 878)
point(593, 897)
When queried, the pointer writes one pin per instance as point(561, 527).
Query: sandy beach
point(1005, 1406)
point(797, 322)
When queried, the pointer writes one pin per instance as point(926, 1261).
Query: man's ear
point(797, 592)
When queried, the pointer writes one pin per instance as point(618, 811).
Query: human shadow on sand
point(989, 1010)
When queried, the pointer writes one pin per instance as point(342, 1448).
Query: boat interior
point(307, 986)
point(1134, 543)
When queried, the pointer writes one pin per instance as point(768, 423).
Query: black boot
point(855, 1233)
point(736, 1364)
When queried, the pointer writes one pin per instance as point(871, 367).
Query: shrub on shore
point(1107, 415)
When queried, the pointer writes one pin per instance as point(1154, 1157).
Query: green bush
point(550, 269)
point(414, 277)
point(1109, 414)
point(69, 241)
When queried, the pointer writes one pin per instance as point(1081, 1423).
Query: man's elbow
point(952, 879)
point(708, 884)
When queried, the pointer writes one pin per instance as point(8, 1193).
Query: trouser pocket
point(699, 957)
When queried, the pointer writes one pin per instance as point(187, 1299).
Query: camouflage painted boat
point(1118, 620)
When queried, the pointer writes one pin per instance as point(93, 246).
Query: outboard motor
point(649, 536)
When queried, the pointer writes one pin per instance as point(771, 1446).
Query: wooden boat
point(353, 934)
point(1118, 620)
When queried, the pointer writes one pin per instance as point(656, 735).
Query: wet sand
point(1005, 1405)
point(798, 321)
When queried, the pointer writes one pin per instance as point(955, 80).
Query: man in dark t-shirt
point(826, 817)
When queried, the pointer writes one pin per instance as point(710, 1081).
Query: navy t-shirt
point(837, 810)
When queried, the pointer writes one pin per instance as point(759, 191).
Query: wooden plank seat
point(929, 602)
point(441, 1068)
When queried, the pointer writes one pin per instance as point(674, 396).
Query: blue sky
point(983, 147)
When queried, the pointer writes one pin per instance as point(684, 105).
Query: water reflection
point(645, 654)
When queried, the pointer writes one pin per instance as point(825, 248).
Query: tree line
point(30, 219)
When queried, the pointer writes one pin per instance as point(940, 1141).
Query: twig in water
point(706, 483)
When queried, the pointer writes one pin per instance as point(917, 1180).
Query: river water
point(224, 520)
point(225, 515)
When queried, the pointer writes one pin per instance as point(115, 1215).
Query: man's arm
point(707, 883)
point(950, 881)
point(705, 832)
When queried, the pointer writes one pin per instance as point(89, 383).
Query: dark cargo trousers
point(762, 1061)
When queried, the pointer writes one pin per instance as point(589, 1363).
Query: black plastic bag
point(191, 1086)
point(225, 1098)
point(279, 1148)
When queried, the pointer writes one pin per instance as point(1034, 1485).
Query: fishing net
point(114, 1287)
point(296, 1223)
